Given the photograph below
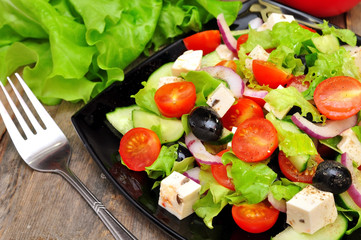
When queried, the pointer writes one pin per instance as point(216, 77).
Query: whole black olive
point(332, 176)
point(205, 124)
point(183, 152)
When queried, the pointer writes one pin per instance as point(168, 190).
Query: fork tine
point(18, 115)
point(28, 112)
point(10, 125)
point(43, 114)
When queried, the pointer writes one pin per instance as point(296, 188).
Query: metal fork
point(48, 150)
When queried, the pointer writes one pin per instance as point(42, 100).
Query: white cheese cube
point(350, 145)
point(224, 53)
point(275, 18)
point(310, 210)
point(178, 194)
point(189, 61)
point(170, 79)
point(257, 53)
point(221, 99)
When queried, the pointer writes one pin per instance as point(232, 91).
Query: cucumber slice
point(121, 118)
point(344, 200)
point(167, 129)
point(299, 162)
point(225, 138)
point(326, 43)
point(164, 71)
point(332, 231)
point(211, 59)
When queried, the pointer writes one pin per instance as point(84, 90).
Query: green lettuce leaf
point(163, 165)
point(205, 84)
point(252, 180)
point(285, 189)
point(85, 46)
point(292, 143)
point(285, 98)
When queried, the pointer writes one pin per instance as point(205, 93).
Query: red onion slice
point(355, 189)
point(255, 93)
point(193, 174)
point(199, 152)
point(234, 81)
point(280, 205)
point(330, 129)
point(227, 36)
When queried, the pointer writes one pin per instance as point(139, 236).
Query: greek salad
point(265, 120)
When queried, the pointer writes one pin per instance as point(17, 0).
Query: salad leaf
point(215, 197)
point(252, 180)
point(163, 165)
point(145, 99)
point(205, 84)
point(182, 16)
point(292, 143)
point(285, 189)
point(83, 47)
point(207, 209)
point(285, 98)
point(291, 35)
point(345, 35)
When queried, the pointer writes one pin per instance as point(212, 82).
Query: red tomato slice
point(255, 140)
point(175, 99)
point(219, 172)
point(242, 39)
point(243, 109)
point(228, 63)
point(298, 83)
point(292, 173)
point(338, 97)
point(255, 218)
point(207, 41)
point(267, 73)
point(139, 148)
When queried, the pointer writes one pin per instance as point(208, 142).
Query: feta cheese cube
point(275, 18)
point(221, 99)
point(257, 53)
point(170, 79)
point(189, 61)
point(178, 194)
point(350, 145)
point(224, 53)
point(310, 210)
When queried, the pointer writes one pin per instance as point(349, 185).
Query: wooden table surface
point(36, 205)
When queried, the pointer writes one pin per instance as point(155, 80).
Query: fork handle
point(115, 227)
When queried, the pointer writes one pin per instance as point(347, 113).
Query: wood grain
point(41, 206)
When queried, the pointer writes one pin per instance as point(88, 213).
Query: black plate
point(102, 141)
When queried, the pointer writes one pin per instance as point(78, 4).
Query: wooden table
point(40, 206)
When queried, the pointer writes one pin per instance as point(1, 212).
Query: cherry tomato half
point(242, 39)
point(255, 140)
point(175, 99)
point(139, 148)
point(292, 173)
point(219, 172)
point(338, 97)
point(267, 73)
point(255, 218)
point(207, 41)
point(243, 109)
